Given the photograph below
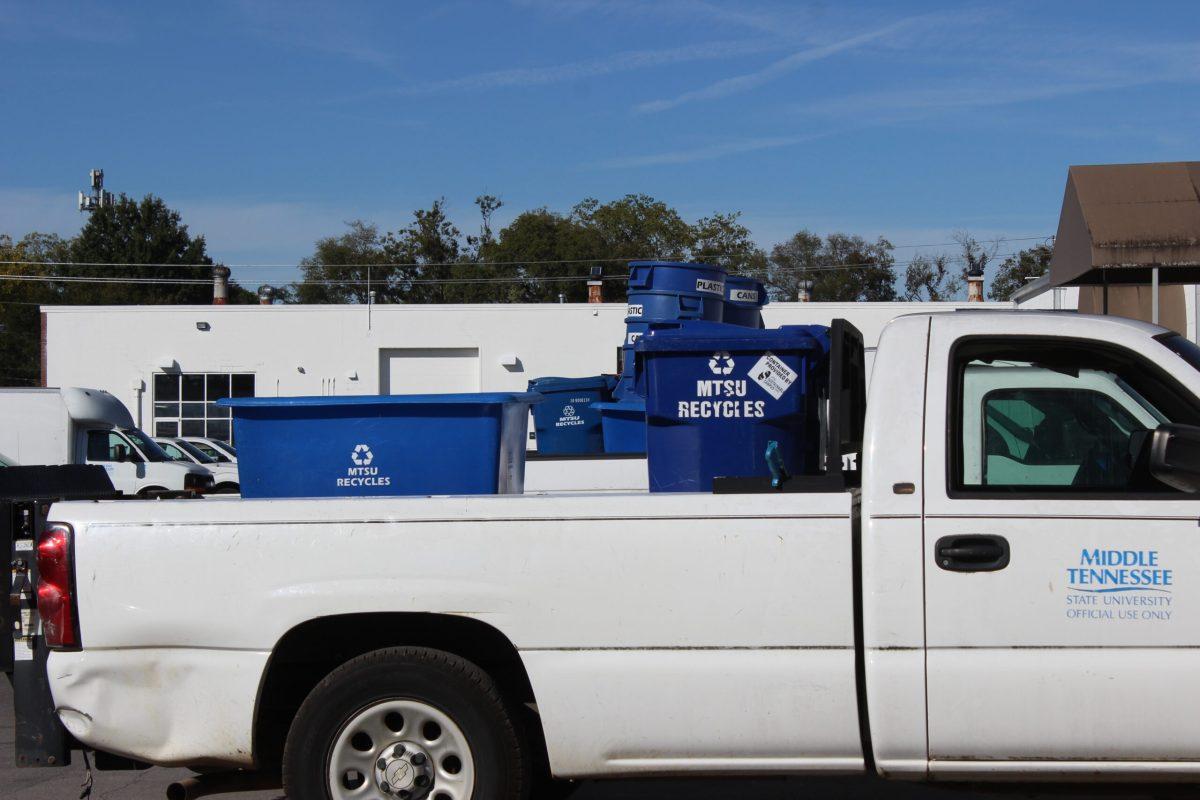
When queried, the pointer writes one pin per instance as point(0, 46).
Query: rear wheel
point(408, 723)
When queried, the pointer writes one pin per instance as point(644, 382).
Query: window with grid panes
point(185, 403)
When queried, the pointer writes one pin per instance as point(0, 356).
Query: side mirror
point(121, 452)
point(1175, 456)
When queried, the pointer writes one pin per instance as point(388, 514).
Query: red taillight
point(56, 606)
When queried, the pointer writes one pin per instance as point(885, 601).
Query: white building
point(169, 363)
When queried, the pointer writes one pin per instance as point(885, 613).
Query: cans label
point(744, 295)
point(711, 287)
point(632, 337)
point(774, 376)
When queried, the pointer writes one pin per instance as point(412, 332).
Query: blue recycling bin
point(624, 426)
point(667, 291)
point(717, 394)
point(565, 421)
point(744, 299)
point(381, 445)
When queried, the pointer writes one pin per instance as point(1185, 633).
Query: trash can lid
point(472, 398)
point(743, 291)
point(698, 336)
point(553, 384)
point(679, 264)
point(637, 406)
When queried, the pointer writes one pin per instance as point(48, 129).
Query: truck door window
point(1044, 416)
point(1044, 437)
point(104, 446)
point(173, 452)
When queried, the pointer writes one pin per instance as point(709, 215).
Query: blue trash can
point(624, 425)
point(663, 291)
point(381, 445)
point(744, 299)
point(667, 291)
point(717, 394)
point(565, 421)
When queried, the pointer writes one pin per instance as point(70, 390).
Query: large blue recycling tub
point(667, 291)
point(624, 425)
point(744, 299)
point(565, 421)
point(717, 394)
point(381, 445)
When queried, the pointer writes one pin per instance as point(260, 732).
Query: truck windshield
point(195, 452)
point(146, 445)
point(215, 450)
point(1183, 347)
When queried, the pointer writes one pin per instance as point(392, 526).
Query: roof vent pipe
point(220, 285)
point(596, 285)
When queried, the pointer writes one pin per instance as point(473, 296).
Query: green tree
point(636, 226)
point(488, 205)
point(930, 278)
point(428, 252)
point(1016, 271)
point(976, 255)
point(145, 232)
point(841, 267)
point(20, 326)
point(724, 241)
point(551, 254)
point(342, 267)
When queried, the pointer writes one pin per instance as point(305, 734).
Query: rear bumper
point(166, 706)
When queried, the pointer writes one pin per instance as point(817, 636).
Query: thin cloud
point(1082, 73)
point(783, 66)
point(769, 21)
point(82, 22)
point(313, 27)
point(627, 61)
point(709, 152)
point(924, 102)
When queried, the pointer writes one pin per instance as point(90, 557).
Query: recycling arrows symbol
point(721, 363)
point(362, 455)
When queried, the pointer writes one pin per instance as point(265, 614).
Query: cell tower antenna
point(98, 198)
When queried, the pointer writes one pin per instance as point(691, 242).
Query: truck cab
point(74, 425)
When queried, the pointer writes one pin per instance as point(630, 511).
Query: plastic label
point(774, 376)
point(635, 311)
point(711, 287)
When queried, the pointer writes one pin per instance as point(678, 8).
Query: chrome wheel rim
point(402, 749)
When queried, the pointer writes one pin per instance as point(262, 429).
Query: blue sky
point(269, 123)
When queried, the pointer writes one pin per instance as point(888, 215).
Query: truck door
point(1062, 581)
point(120, 459)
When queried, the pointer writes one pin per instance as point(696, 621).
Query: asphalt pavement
point(64, 783)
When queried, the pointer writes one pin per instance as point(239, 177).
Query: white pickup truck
point(1012, 595)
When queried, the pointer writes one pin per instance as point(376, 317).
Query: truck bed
point(652, 600)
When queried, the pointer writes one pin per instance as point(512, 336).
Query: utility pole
point(98, 198)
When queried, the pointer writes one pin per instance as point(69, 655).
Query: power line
point(387, 265)
point(518, 279)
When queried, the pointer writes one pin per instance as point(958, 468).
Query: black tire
point(226, 488)
point(151, 492)
point(451, 684)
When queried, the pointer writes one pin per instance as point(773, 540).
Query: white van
point(88, 426)
point(223, 452)
point(182, 451)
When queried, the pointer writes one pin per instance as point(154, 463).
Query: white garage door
point(428, 370)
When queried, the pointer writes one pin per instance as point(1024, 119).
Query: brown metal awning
point(1121, 221)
